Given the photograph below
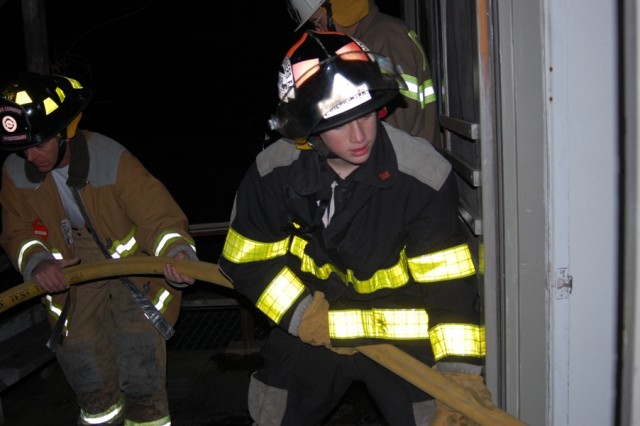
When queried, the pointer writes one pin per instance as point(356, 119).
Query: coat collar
point(78, 165)
point(379, 171)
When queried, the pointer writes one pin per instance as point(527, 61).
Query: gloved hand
point(343, 350)
point(314, 325)
point(475, 387)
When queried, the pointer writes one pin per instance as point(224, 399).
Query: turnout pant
point(112, 356)
point(300, 384)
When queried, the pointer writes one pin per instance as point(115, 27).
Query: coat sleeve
point(162, 228)
point(256, 255)
point(416, 110)
point(24, 237)
point(440, 262)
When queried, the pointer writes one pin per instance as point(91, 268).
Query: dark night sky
point(189, 96)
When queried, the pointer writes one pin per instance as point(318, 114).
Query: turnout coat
point(131, 210)
point(393, 262)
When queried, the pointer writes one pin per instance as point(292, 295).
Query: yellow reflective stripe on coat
point(124, 247)
point(448, 264)
point(162, 299)
point(414, 38)
point(422, 93)
point(167, 238)
point(165, 421)
point(24, 248)
point(55, 312)
point(393, 277)
point(307, 264)
point(457, 340)
point(104, 417)
point(280, 294)
point(393, 324)
point(239, 249)
point(443, 265)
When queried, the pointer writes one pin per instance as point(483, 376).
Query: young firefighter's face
point(353, 141)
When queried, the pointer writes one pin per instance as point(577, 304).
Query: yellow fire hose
point(389, 356)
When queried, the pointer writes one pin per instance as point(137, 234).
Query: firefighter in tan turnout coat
point(70, 196)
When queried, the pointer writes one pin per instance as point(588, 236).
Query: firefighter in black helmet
point(345, 233)
point(36, 108)
point(416, 110)
point(71, 195)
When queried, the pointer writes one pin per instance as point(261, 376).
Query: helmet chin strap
point(330, 24)
point(68, 133)
point(316, 143)
point(62, 150)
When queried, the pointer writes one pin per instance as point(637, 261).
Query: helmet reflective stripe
point(301, 10)
point(104, 417)
point(457, 340)
point(22, 97)
point(359, 95)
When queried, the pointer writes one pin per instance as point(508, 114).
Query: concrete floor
point(209, 362)
point(206, 388)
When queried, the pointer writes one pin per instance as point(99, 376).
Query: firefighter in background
point(345, 232)
point(415, 111)
point(70, 195)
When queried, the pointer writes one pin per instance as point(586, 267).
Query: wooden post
point(35, 36)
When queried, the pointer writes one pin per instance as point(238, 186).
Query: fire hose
point(389, 356)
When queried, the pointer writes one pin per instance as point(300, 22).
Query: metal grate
point(207, 329)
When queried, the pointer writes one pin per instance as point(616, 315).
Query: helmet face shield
point(317, 96)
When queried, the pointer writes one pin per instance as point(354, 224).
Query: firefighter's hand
point(49, 276)
point(475, 388)
point(314, 325)
point(172, 275)
point(343, 350)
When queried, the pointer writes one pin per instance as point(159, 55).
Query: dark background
point(186, 86)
